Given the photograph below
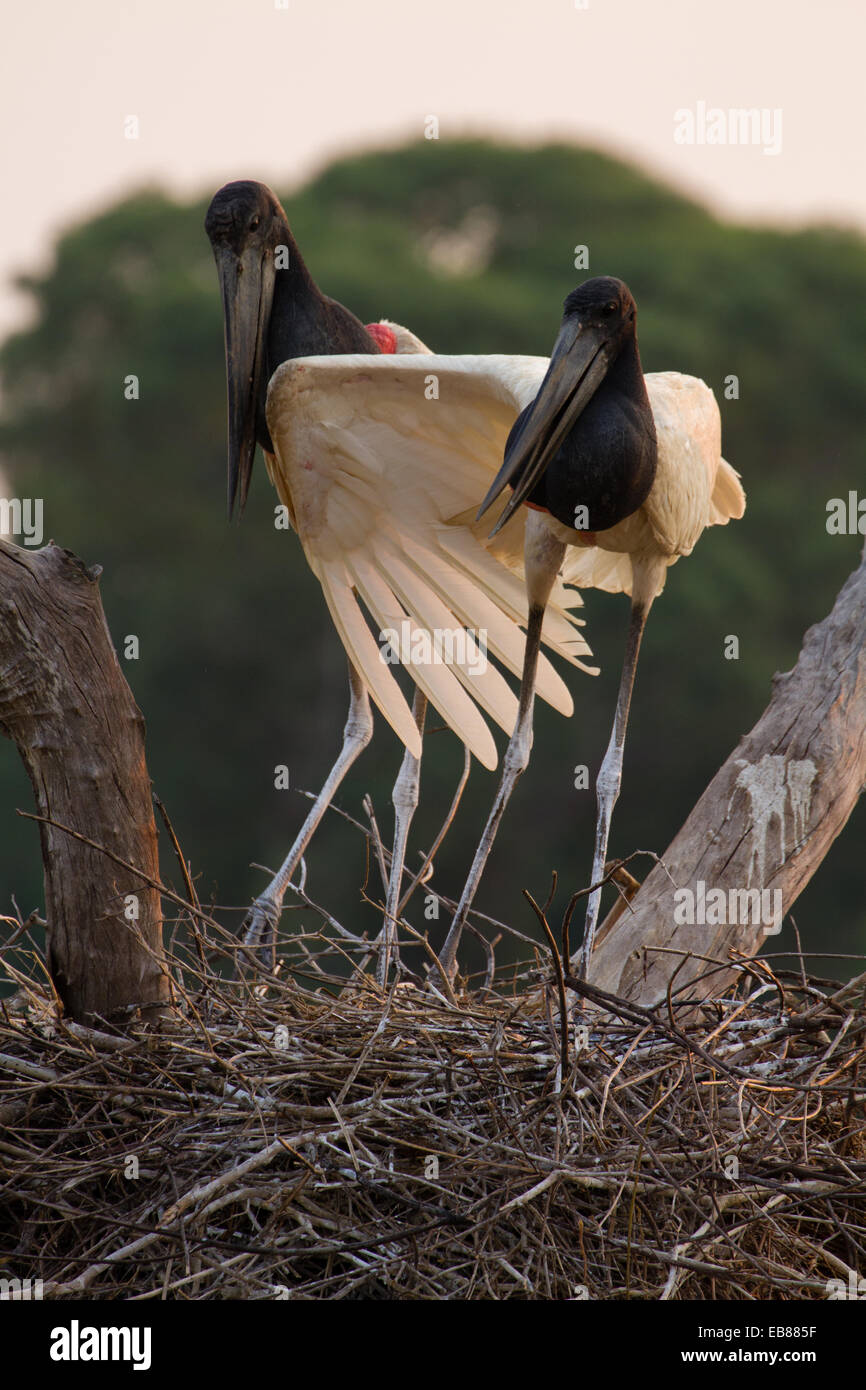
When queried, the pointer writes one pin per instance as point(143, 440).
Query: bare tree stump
point(65, 703)
point(764, 823)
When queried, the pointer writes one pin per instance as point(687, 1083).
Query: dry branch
point(65, 703)
point(765, 822)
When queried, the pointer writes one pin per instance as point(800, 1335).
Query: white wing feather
point(694, 488)
point(382, 461)
point(382, 475)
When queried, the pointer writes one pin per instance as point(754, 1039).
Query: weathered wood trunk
point(765, 822)
point(66, 704)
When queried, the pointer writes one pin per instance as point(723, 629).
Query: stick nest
point(310, 1142)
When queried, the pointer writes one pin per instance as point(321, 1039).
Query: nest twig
point(319, 1138)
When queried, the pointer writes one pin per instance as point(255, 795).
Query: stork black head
point(598, 323)
point(246, 225)
point(605, 302)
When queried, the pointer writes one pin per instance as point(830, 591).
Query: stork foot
point(259, 929)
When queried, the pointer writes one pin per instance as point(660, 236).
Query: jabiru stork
point(636, 462)
point(381, 481)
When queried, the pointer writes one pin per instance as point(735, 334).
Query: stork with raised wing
point(381, 479)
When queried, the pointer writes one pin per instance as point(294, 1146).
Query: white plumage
point(382, 479)
point(382, 461)
point(694, 488)
point(382, 483)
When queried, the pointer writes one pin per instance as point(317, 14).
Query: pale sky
point(271, 89)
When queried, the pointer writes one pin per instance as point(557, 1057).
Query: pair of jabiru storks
point(613, 475)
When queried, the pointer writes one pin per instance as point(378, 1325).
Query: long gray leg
point(427, 864)
point(515, 761)
point(260, 923)
point(609, 778)
point(405, 799)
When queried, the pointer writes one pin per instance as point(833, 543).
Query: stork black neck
point(294, 328)
point(625, 375)
point(607, 462)
point(305, 323)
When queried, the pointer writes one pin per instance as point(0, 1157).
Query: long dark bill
point(578, 365)
point(247, 285)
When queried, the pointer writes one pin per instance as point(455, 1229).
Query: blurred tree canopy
point(472, 245)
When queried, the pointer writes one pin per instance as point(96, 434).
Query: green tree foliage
point(472, 245)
